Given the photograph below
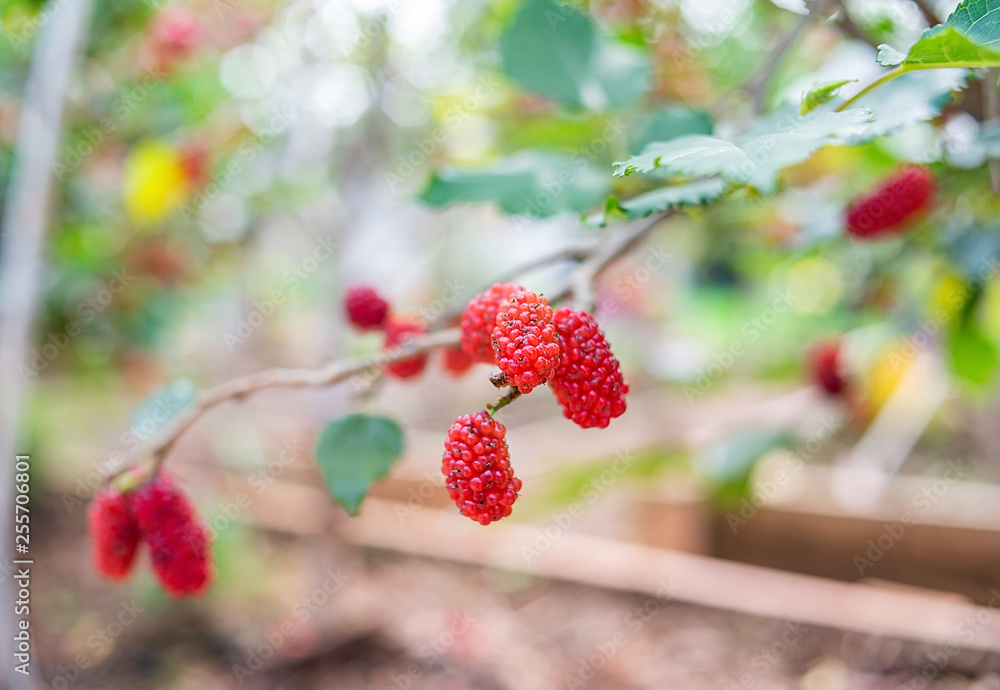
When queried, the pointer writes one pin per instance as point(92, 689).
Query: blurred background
point(225, 169)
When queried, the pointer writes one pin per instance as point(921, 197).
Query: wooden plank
point(901, 614)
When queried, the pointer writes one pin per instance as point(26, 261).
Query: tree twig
point(581, 285)
point(757, 86)
point(850, 27)
point(581, 282)
point(929, 14)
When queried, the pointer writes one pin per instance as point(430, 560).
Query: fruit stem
point(503, 401)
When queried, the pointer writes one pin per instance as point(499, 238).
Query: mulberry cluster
point(476, 464)
point(900, 199)
point(524, 340)
point(588, 383)
point(161, 515)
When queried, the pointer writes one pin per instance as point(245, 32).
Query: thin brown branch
point(594, 259)
point(757, 86)
point(850, 27)
point(243, 386)
point(930, 16)
point(582, 281)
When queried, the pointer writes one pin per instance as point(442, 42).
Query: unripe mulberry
point(524, 340)
point(114, 533)
point(398, 331)
point(365, 308)
point(588, 383)
point(178, 540)
point(480, 317)
point(476, 464)
point(826, 368)
point(900, 199)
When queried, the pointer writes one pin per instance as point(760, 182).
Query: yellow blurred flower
point(886, 372)
point(155, 183)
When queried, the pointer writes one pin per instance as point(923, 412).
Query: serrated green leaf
point(531, 182)
point(161, 406)
point(354, 452)
point(671, 196)
point(552, 49)
point(756, 158)
point(821, 93)
point(969, 38)
point(670, 123)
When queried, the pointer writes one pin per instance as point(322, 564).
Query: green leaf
point(162, 406)
point(907, 99)
point(552, 49)
point(973, 356)
point(821, 93)
point(889, 56)
point(690, 194)
point(756, 158)
point(969, 38)
point(729, 463)
point(531, 182)
point(355, 451)
point(669, 123)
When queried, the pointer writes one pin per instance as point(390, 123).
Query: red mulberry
point(365, 308)
point(897, 201)
point(476, 463)
point(398, 331)
point(178, 540)
point(588, 383)
point(524, 340)
point(456, 362)
point(826, 368)
point(114, 533)
point(480, 317)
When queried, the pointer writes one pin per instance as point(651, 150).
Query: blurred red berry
point(399, 330)
point(588, 383)
point(524, 340)
point(114, 533)
point(476, 464)
point(456, 362)
point(194, 162)
point(365, 308)
point(898, 200)
point(826, 368)
point(178, 540)
point(480, 317)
